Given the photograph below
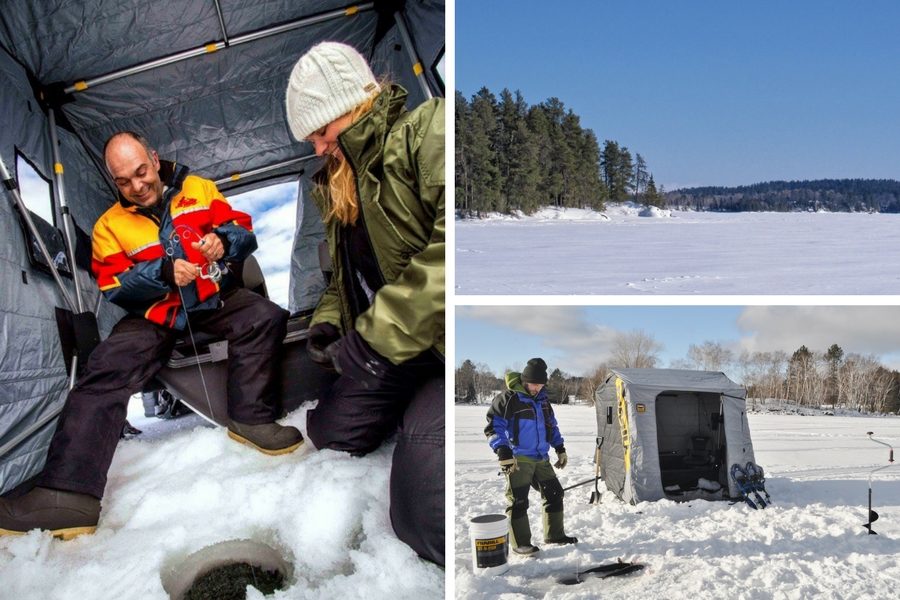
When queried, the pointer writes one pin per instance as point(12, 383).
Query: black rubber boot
point(269, 438)
point(528, 550)
point(64, 514)
point(566, 539)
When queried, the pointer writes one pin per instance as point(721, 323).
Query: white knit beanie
point(326, 83)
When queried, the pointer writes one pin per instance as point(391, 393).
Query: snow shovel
point(873, 516)
point(595, 495)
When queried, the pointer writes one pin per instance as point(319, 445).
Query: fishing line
point(175, 238)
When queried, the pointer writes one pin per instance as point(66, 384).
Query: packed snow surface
point(171, 495)
point(809, 544)
point(678, 252)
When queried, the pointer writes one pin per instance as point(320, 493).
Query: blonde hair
point(341, 180)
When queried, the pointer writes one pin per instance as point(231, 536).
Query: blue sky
point(577, 338)
point(710, 93)
point(274, 212)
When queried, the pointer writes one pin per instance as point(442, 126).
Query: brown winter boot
point(64, 514)
point(269, 438)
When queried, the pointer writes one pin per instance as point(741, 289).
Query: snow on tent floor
point(169, 496)
point(621, 252)
point(809, 544)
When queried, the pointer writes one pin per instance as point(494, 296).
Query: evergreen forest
point(839, 195)
point(514, 157)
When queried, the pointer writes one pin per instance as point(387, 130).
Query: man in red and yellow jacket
point(155, 253)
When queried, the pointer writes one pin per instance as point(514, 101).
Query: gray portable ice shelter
point(204, 81)
point(666, 429)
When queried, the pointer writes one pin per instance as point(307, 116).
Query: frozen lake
point(809, 544)
point(685, 253)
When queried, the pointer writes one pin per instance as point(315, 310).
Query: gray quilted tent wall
point(220, 112)
point(633, 473)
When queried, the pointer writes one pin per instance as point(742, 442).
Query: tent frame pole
point(26, 433)
point(222, 23)
point(418, 70)
point(81, 85)
point(13, 187)
point(268, 168)
point(68, 224)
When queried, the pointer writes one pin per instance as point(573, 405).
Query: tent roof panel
point(680, 379)
point(65, 40)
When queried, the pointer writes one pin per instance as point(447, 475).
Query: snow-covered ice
point(171, 495)
point(809, 544)
point(678, 252)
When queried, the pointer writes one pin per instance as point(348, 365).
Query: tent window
point(274, 212)
point(35, 189)
point(438, 69)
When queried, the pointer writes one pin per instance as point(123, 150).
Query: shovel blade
point(595, 498)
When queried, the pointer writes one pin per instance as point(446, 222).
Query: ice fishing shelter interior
point(665, 430)
point(204, 81)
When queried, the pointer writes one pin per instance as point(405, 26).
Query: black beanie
point(535, 371)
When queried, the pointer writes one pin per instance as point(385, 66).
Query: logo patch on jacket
point(185, 202)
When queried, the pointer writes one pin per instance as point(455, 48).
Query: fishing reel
point(213, 270)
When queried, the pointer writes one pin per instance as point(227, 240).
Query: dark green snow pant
point(518, 484)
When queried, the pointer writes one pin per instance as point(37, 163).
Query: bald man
point(157, 253)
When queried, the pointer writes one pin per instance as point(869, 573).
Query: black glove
point(320, 337)
point(508, 462)
point(357, 360)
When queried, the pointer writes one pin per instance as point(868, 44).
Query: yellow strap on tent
point(417, 69)
point(351, 10)
point(211, 47)
point(236, 176)
point(58, 168)
point(623, 422)
point(80, 86)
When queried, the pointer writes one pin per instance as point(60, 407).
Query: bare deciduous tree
point(710, 356)
point(635, 350)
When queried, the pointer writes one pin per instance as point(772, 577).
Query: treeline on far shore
point(806, 377)
point(837, 195)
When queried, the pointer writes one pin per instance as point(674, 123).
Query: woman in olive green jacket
point(380, 322)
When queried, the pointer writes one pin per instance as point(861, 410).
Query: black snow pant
point(356, 419)
point(91, 421)
point(533, 472)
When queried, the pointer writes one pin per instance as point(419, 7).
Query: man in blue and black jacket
point(521, 429)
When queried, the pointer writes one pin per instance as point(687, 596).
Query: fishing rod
point(873, 516)
point(212, 272)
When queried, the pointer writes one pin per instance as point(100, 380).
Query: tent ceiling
point(221, 112)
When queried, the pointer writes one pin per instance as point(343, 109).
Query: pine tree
point(835, 356)
point(486, 181)
point(463, 160)
point(653, 197)
point(465, 383)
point(522, 177)
point(639, 180)
point(617, 170)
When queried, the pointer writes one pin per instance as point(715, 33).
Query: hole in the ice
point(224, 570)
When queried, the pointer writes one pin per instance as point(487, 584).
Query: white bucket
point(490, 544)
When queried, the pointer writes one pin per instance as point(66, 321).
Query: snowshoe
point(742, 481)
point(757, 480)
